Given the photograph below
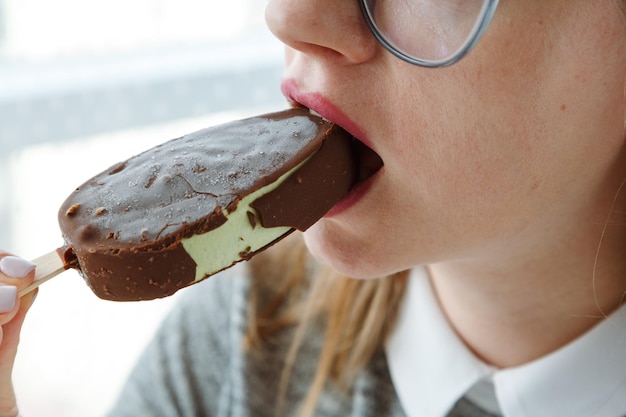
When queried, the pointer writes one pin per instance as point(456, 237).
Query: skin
point(10, 326)
point(501, 172)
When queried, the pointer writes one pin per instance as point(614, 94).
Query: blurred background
point(84, 84)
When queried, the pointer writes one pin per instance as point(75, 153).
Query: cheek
point(521, 113)
point(461, 149)
point(501, 144)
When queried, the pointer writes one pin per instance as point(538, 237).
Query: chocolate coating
point(123, 227)
point(304, 197)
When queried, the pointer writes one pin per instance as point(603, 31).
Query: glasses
point(428, 33)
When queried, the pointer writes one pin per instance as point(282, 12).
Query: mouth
point(368, 161)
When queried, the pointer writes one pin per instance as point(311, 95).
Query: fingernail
point(15, 267)
point(8, 293)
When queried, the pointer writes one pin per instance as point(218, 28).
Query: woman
point(496, 221)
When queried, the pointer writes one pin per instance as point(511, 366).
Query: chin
point(341, 253)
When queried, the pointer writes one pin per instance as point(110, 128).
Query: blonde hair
point(358, 314)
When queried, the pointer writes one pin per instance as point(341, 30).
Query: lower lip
point(353, 197)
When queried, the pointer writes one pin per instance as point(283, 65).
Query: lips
point(368, 160)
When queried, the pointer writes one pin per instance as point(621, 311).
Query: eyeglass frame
point(484, 20)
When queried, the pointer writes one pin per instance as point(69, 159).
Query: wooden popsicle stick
point(48, 266)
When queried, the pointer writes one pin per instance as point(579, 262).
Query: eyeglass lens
point(430, 30)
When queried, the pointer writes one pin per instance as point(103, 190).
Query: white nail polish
point(8, 294)
point(15, 267)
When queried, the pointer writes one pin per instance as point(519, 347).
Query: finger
point(16, 271)
point(10, 328)
point(9, 337)
point(10, 340)
point(9, 303)
point(15, 274)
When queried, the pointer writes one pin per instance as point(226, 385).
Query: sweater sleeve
point(186, 369)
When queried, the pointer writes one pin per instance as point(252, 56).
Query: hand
point(15, 275)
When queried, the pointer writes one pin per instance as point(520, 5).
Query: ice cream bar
point(191, 207)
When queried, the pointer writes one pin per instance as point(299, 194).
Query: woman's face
point(512, 144)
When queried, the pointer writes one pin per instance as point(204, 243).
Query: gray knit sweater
point(195, 366)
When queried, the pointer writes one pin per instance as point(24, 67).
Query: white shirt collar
point(432, 369)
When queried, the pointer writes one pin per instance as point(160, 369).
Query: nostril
point(275, 18)
point(322, 28)
point(283, 20)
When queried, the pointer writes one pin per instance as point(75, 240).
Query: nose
point(327, 28)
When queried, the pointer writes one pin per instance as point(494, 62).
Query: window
point(84, 84)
